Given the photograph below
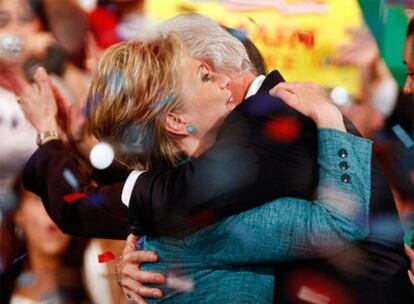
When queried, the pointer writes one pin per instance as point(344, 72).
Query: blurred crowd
point(67, 38)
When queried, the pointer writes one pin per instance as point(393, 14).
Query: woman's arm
point(54, 174)
point(292, 228)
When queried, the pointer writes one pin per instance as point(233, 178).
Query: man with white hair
point(206, 41)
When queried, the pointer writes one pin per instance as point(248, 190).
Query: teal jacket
point(228, 262)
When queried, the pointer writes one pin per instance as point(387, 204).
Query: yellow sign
point(297, 37)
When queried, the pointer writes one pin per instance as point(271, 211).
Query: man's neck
point(240, 84)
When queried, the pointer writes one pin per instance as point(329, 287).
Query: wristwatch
point(46, 136)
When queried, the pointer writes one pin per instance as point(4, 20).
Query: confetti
point(403, 136)
point(139, 243)
point(69, 198)
point(307, 39)
point(116, 83)
point(183, 284)
point(96, 198)
point(315, 287)
point(71, 179)
point(19, 258)
point(9, 202)
point(102, 155)
point(238, 34)
point(340, 97)
point(106, 257)
point(284, 129)
point(252, 21)
point(162, 102)
point(309, 295)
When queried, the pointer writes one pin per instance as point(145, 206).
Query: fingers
point(141, 290)
point(283, 94)
point(130, 294)
point(146, 277)
point(140, 256)
point(43, 81)
point(288, 86)
point(130, 245)
point(409, 252)
point(411, 276)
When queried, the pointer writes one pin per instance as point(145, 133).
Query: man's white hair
point(204, 39)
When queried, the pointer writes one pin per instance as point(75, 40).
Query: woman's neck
point(196, 145)
point(45, 272)
point(42, 263)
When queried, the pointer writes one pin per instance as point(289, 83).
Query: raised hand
point(37, 101)
point(361, 51)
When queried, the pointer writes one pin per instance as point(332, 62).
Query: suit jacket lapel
point(272, 79)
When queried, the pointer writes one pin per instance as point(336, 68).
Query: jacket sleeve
point(291, 228)
point(116, 172)
point(53, 174)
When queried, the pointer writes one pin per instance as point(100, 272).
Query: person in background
point(42, 264)
point(21, 37)
point(409, 90)
point(379, 89)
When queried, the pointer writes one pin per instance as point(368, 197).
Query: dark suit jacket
point(250, 163)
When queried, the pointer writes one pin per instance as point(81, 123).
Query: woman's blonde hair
point(136, 84)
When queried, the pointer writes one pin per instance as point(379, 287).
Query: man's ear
point(175, 124)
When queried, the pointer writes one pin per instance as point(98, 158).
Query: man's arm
point(233, 175)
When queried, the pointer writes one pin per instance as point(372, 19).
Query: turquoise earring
point(191, 129)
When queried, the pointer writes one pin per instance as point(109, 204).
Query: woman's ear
point(175, 124)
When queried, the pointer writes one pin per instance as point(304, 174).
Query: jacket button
point(342, 153)
point(345, 178)
point(343, 165)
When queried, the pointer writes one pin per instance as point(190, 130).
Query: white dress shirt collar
point(255, 86)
